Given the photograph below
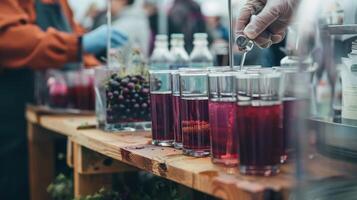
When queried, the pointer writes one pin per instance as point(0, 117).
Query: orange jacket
point(24, 44)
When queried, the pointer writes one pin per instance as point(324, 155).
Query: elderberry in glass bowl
point(122, 99)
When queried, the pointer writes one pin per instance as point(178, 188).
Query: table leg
point(41, 161)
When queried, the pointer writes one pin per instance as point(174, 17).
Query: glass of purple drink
point(194, 112)
point(259, 120)
point(292, 103)
point(162, 116)
point(223, 118)
point(176, 105)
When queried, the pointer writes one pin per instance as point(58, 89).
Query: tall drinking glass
point(259, 121)
point(223, 118)
point(292, 103)
point(161, 108)
point(194, 112)
point(176, 105)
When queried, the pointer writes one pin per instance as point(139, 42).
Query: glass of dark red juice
point(176, 105)
point(259, 120)
point(162, 116)
point(194, 112)
point(223, 118)
point(293, 102)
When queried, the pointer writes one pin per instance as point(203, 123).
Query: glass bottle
point(178, 52)
point(161, 57)
point(349, 87)
point(200, 56)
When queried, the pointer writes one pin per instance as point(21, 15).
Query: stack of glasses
point(234, 116)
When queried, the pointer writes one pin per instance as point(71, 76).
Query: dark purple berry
point(126, 90)
point(144, 105)
point(121, 97)
point(116, 93)
point(134, 80)
point(145, 91)
point(124, 82)
point(113, 84)
point(131, 85)
point(110, 95)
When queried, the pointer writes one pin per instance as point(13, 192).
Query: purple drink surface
point(177, 118)
point(195, 126)
point(224, 132)
point(162, 116)
point(260, 135)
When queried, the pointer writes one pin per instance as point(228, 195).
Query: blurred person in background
point(129, 17)
point(34, 35)
point(151, 10)
point(214, 12)
point(185, 17)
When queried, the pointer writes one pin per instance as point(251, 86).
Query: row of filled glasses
point(237, 117)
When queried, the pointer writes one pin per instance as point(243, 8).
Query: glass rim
point(290, 70)
point(245, 67)
point(224, 74)
point(165, 71)
point(193, 72)
point(259, 74)
point(187, 69)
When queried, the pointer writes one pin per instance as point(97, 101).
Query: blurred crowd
point(141, 20)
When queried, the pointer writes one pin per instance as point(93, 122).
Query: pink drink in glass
point(224, 133)
point(58, 95)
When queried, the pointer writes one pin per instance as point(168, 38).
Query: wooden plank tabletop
point(134, 148)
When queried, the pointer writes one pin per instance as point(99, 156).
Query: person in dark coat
point(185, 17)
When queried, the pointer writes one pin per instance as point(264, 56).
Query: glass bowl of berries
point(122, 100)
point(123, 96)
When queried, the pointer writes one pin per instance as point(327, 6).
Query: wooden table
point(91, 152)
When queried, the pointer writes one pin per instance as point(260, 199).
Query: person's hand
point(265, 21)
point(95, 41)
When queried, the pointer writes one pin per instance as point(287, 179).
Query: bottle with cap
point(178, 52)
point(161, 57)
point(201, 57)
